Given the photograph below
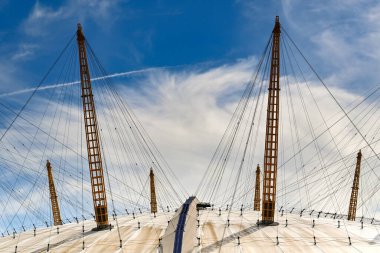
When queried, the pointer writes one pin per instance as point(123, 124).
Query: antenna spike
point(355, 189)
point(256, 205)
point(153, 199)
point(271, 135)
point(92, 137)
point(53, 196)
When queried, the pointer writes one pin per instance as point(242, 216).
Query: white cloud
point(186, 112)
point(40, 17)
point(341, 37)
point(24, 52)
point(43, 17)
point(9, 80)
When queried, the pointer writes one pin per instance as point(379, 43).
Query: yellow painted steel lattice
point(92, 137)
point(271, 136)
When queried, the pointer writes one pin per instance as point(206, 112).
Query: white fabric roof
point(298, 236)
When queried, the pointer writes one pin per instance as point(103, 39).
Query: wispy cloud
point(54, 86)
point(33, 38)
point(341, 37)
point(42, 17)
point(24, 52)
point(186, 113)
point(9, 79)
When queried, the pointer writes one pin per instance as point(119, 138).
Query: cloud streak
point(43, 17)
point(58, 85)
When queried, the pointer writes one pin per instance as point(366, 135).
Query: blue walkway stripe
point(181, 226)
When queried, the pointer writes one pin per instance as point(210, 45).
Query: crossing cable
point(30, 181)
point(117, 100)
point(292, 113)
point(66, 134)
point(227, 131)
point(40, 129)
point(291, 110)
point(38, 86)
point(109, 185)
point(327, 165)
point(139, 145)
point(360, 113)
point(346, 114)
point(48, 134)
point(230, 134)
point(82, 181)
point(50, 137)
point(309, 123)
point(39, 174)
point(44, 114)
point(140, 130)
point(317, 147)
point(251, 175)
point(95, 69)
point(244, 153)
point(302, 74)
point(332, 125)
point(336, 101)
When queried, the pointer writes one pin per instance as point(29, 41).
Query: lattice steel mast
point(92, 137)
point(271, 136)
point(53, 197)
point(153, 200)
point(256, 204)
point(355, 189)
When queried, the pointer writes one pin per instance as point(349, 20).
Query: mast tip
point(277, 25)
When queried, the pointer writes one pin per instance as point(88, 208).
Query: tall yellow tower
point(92, 137)
point(153, 200)
point(355, 189)
point(53, 196)
point(271, 136)
point(256, 204)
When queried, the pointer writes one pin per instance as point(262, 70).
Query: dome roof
point(242, 234)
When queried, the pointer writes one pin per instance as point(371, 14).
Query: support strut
point(92, 137)
point(271, 136)
point(256, 204)
point(355, 189)
point(53, 197)
point(153, 200)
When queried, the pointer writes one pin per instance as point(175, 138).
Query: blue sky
point(126, 35)
point(212, 47)
point(129, 35)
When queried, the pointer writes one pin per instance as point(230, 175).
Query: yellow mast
point(153, 200)
point(271, 136)
point(355, 189)
point(256, 205)
point(92, 137)
point(53, 197)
